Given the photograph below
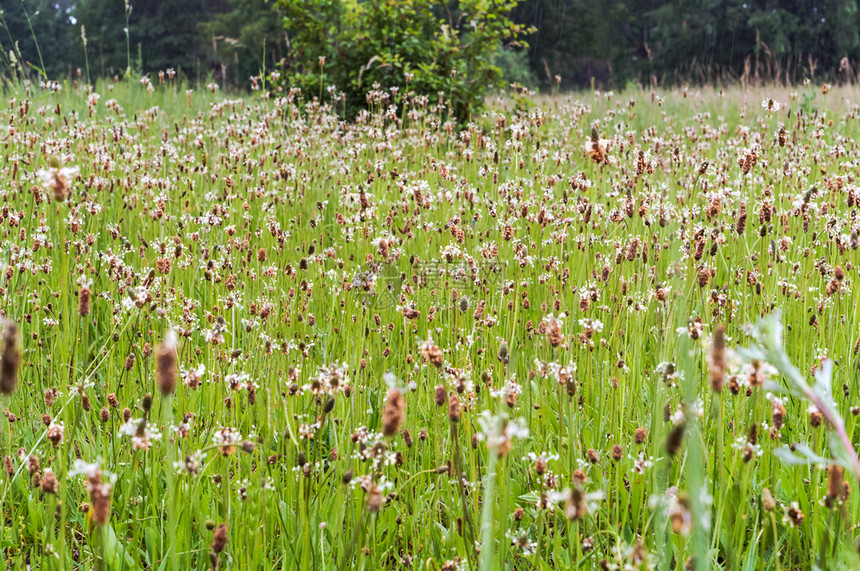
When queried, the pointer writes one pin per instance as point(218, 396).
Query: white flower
point(770, 105)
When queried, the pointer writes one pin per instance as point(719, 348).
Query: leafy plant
point(443, 50)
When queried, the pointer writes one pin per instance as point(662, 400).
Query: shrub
point(432, 48)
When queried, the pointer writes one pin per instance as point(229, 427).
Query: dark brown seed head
point(219, 538)
point(100, 497)
point(394, 413)
point(703, 277)
point(576, 505)
point(440, 395)
point(165, 357)
point(49, 483)
point(835, 482)
point(675, 439)
point(640, 435)
point(454, 409)
point(10, 359)
point(778, 414)
point(718, 358)
point(84, 296)
point(503, 352)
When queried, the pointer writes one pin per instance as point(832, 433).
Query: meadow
point(585, 331)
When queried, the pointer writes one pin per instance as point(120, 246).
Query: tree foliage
point(673, 41)
point(376, 41)
point(443, 50)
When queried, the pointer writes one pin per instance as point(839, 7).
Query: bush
point(424, 46)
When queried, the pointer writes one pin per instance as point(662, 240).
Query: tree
point(51, 26)
point(245, 40)
point(424, 46)
point(161, 34)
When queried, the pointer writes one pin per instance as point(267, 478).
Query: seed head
point(84, 296)
point(718, 358)
point(165, 356)
point(675, 439)
point(219, 539)
point(454, 410)
point(440, 395)
point(49, 483)
point(767, 501)
point(10, 359)
point(394, 414)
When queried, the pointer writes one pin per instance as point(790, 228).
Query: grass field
point(244, 334)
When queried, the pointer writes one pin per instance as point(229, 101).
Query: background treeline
point(614, 41)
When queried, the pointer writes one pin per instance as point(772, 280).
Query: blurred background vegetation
point(570, 43)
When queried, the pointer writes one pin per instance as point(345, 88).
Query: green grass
point(298, 243)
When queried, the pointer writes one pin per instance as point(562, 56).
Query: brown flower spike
point(165, 357)
point(10, 359)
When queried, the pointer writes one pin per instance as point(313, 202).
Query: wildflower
point(767, 501)
point(226, 440)
point(675, 439)
point(56, 434)
point(503, 352)
point(553, 330)
point(596, 148)
point(100, 493)
point(679, 515)
point(191, 377)
point(10, 359)
point(717, 369)
point(219, 542)
point(84, 301)
point(394, 413)
point(837, 488)
point(431, 353)
point(793, 515)
point(778, 413)
point(49, 483)
point(770, 105)
point(141, 432)
point(374, 500)
point(463, 304)
point(440, 395)
point(454, 409)
point(576, 505)
point(499, 432)
point(165, 357)
point(56, 179)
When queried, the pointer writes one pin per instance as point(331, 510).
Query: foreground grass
point(324, 280)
